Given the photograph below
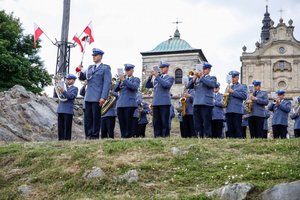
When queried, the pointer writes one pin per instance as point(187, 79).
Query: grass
point(54, 170)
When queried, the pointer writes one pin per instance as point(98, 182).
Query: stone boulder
point(237, 191)
point(284, 191)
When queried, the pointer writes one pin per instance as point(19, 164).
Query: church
point(179, 54)
point(276, 59)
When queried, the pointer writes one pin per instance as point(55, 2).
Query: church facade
point(179, 54)
point(276, 59)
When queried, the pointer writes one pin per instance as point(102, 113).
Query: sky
point(123, 29)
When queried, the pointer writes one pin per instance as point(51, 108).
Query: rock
point(176, 151)
point(284, 191)
point(25, 190)
point(237, 191)
point(130, 176)
point(96, 172)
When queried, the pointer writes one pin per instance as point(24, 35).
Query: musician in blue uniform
point(127, 87)
point(136, 114)
point(296, 116)
point(98, 77)
point(234, 111)
point(245, 123)
point(203, 100)
point(161, 99)
point(188, 119)
point(108, 120)
point(266, 129)
point(217, 113)
point(144, 109)
point(257, 115)
point(280, 108)
point(65, 109)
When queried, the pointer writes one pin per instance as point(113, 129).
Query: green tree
point(19, 61)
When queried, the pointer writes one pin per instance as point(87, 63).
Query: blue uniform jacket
point(146, 110)
point(162, 86)
point(258, 106)
point(235, 101)
point(67, 107)
point(112, 112)
point(295, 116)
point(280, 112)
point(204, 94)
point(218, 110)
point(139, 100)
point(98, 82)
point(127, 92)
point(266, 119)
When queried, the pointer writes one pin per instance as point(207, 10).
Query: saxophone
point(182, 100)
point(59, 82)
point(249, 101)
point(111, 100)
point(226, 96)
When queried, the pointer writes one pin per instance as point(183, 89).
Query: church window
point(178, 76)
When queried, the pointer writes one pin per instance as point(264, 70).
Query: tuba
point(58, 82)
point(111, 100)
point(249, 101)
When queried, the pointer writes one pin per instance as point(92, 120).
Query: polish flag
point(37, 33)
point(89, 31)
point(77, 40)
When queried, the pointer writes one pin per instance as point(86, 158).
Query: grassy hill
point(54, 170)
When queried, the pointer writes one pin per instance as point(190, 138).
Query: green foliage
point(17, 56)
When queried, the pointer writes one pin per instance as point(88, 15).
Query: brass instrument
point(182, 100)
point(249, 101)
point(58, 81)
point(111, 100)
point(226, 93)
point(296, 108)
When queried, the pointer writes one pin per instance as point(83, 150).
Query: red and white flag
point(37, 33)
point(89, 31)
point(77, 40)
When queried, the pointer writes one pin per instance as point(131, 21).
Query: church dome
point(173, 44)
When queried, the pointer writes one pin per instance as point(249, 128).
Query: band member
point(204, 85)
point(234, 111)
point(217, 113)
point(280, 108)
point(136, 114)
point(266, 129)
point(65, 109)
point(257, 115)
point(144, 109)
point(98, 78)
point(161, 99)
point(127, 87)
point(295, 116)
point(187, 118)
point(108, 120)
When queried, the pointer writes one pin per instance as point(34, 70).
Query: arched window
point(178, 76)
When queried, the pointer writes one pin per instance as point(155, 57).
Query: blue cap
point(97, 52)
point(71, 76)
point(280, 92)
point(206, 65)
point(217, 85)
point(163, 64)
point(234, 73)
point(256, 82)
point(128, 66)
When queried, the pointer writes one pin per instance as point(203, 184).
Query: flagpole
point(83, 52)
point(82, 32)
point(49, 38)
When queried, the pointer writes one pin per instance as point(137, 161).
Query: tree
point(19, 61)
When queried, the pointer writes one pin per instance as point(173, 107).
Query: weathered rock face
point(284, 191)
point(27, 117)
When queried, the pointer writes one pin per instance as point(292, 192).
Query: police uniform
point(65, 111)
point(280, 116)
point(234, 110)
point(217, 115)
point(82, 93)
point(143, 121)
point(257, 115)
point(127, 103)
point(98, 78)
point(188, 119)
point(203, 102)
point(108, 120)
point(266, 129)
point(296, 117)
point(161, 101)
point(136, 114)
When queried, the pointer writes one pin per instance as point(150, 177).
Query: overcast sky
point(123, 29)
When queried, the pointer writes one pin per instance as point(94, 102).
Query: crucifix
point(281, 11)
point(177, 22)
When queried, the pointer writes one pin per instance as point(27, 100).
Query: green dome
point(173, 44)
